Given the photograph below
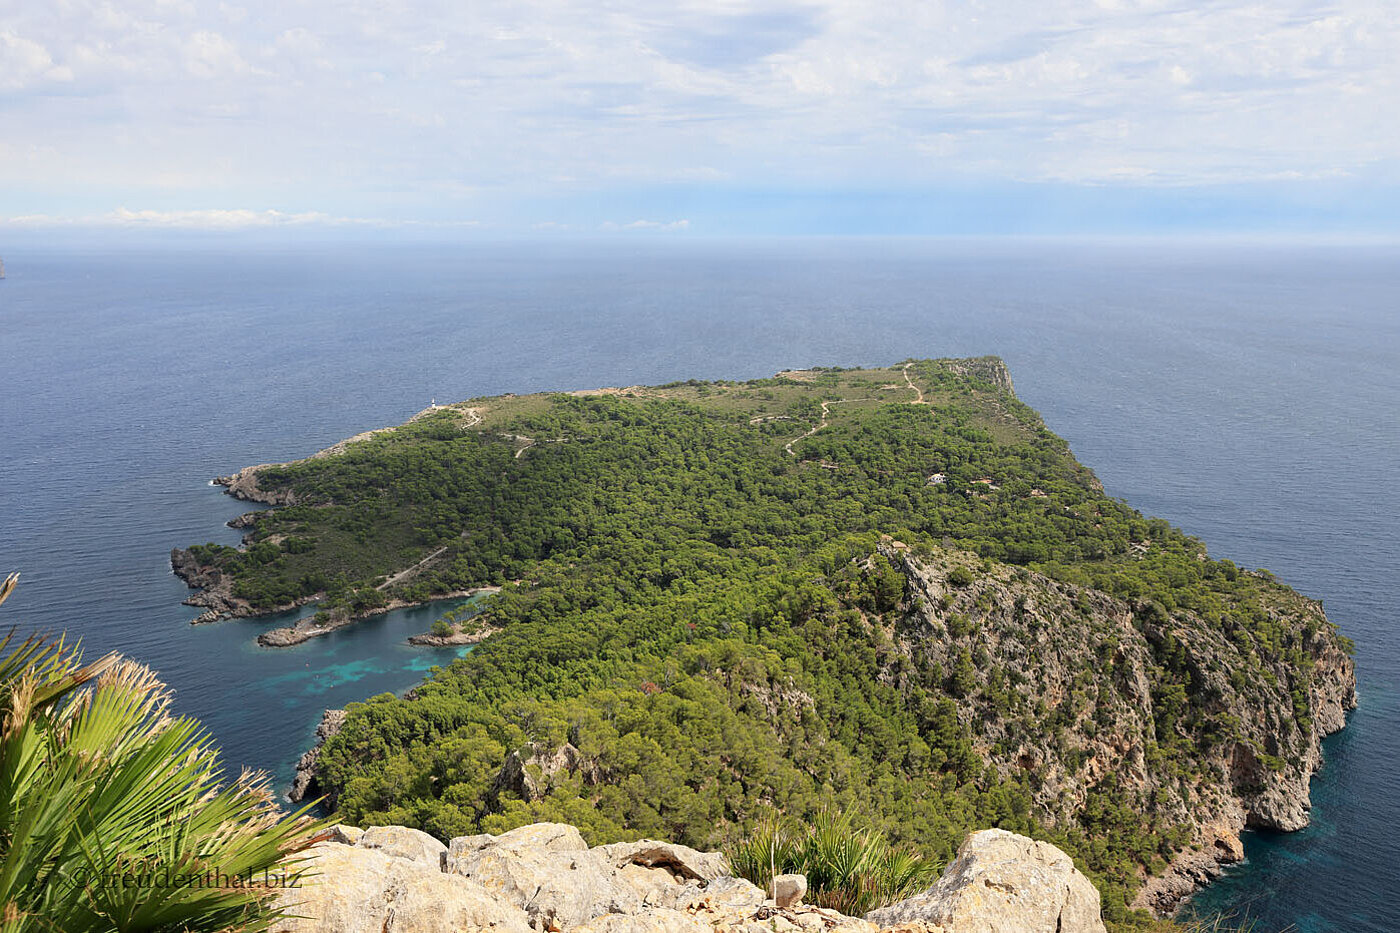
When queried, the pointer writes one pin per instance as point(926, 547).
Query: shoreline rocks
point(307, 628)
point(304, 783)
point(458, 637)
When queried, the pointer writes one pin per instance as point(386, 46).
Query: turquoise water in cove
point(1249, 394)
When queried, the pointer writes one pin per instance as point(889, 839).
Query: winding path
point(826, 411)
point(918, 392)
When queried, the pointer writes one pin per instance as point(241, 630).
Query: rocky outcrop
point(185, 566)
point(304, 783)
point(989, 369)
point(1188, 873)
point(1253, 751)
point(215, 588)
point(787, 890)
point(247, 519)
point(681, 861)
point(544, 877)
point(1003, 883)
point(349, 889)
point(244, 485)
point(528, 773)
point(403, 842)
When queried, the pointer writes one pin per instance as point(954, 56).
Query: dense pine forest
point(890, 592)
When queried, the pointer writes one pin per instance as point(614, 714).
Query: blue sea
point(1248, 393)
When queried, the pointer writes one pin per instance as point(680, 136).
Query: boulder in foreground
point(1003, 883)
point(544, 877)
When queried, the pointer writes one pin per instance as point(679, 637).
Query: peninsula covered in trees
point(885, 591)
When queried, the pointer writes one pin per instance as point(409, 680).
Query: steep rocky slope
point(1069, 685)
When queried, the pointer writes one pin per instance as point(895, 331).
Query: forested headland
point(892, 592)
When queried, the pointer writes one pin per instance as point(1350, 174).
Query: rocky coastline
point(457, 637)
point(215, 592)
point(304, 783)
point(215, 589)
point(305, 629)
point(216, 598)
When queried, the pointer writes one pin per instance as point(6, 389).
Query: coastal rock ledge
point(544, 877)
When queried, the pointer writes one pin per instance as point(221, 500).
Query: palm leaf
point(98, 781)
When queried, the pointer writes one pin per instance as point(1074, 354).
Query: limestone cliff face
point(991, 369)
point(545, 877)
point(1066, 686)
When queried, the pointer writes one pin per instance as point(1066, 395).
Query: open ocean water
point(1249, 394)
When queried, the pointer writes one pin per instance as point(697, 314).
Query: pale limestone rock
point(556, 837)
point(661, 874)
point(725, 891)
point(658, 888)
point(402, 842)
point(546, 870)
point(1004, 883)
point(733, 920)
point(543, 878)
point(347, 889)
point(788, 890)
point(653, 887)
point(680, 860)
point(345, 835)
point(653, 921)
point(800, 919)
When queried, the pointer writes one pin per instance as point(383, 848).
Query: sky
point(642, 118)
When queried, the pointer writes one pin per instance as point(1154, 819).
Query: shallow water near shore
point(1251, 395)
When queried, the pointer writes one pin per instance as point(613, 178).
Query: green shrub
point(960, 576)
point(847, 870)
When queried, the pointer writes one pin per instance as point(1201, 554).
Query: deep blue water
point(1248, 394)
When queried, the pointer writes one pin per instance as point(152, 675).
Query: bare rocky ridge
point(544, 877)
point(528, 773)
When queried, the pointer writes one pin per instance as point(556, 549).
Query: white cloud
point(656, 225)
point(210, 55)
point(24, 62)
point(215, 219)
point(381, 107)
